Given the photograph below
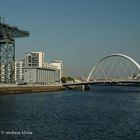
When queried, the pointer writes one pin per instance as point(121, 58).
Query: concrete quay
point(18, 89)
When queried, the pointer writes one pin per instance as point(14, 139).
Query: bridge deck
point(107, 83)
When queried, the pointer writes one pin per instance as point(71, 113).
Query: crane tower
point(7, 50)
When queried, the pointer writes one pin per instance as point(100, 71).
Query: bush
point(65, 79)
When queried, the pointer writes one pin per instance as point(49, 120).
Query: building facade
point(6, 70)
point(59, 66)
point(2, 77)
point(37, 71)
point(39, 76)
point(19, 70)
point(34, 59)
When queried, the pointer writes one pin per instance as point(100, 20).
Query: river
point(70, 115)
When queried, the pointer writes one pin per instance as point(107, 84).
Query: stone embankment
point(16, 89)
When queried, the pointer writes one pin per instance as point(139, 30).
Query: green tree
point(63, 79)
point(70, 79)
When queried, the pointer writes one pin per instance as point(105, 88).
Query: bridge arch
point(109, 56)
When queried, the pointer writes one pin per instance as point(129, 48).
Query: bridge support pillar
point(85, 87)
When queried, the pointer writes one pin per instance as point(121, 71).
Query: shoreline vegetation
point(22, 89)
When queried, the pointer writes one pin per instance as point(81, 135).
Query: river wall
point(28, 89)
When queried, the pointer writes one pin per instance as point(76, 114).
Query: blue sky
point(79, 32)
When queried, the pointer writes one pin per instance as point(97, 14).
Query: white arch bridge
point(113, 70)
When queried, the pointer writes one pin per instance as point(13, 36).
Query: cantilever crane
point(7, 50)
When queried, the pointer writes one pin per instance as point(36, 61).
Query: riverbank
point(29, 89)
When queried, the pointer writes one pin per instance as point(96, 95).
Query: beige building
point(59, 66)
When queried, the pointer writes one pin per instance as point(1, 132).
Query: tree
point(63, 79)
point(70, 79)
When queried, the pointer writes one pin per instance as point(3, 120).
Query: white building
point(6, 73)
point(34, 59)
point(37, 71)
point(41, 76)
point(59, 65)
point(2, 77)
point(19, 70)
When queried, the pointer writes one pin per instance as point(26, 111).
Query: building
point(19, 70)
point(37, 71)
point(2, 77)
point(6, 70)
point(59, 66)
point(41, 76)
point(34, 59)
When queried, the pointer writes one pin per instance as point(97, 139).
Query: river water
point(70, 115)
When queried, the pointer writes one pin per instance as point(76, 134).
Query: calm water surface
point(70, 115)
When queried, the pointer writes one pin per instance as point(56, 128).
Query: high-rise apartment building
point(34, 59)
point(3, 78)
point(19, 70)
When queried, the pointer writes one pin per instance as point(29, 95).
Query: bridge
point(112, 70)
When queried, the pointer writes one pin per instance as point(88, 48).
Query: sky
point(78, 32)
